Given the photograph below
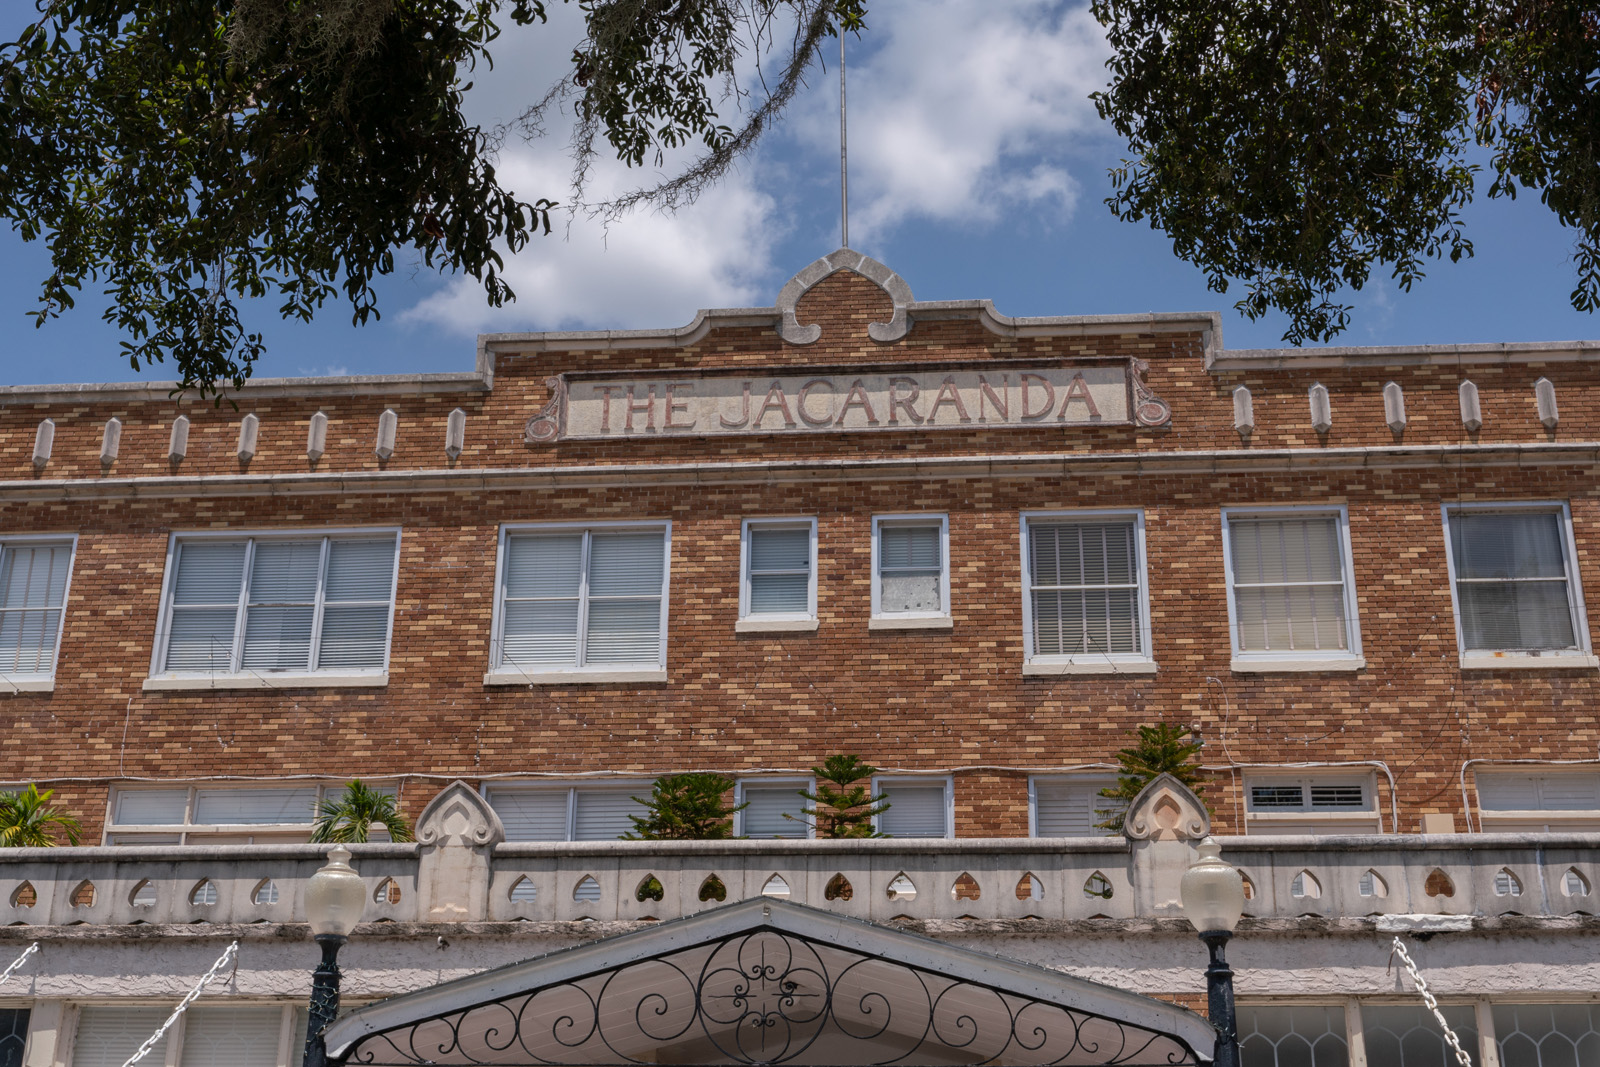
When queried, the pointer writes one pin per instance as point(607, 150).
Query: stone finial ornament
point(249, 432)
point(111, 440)
point(844, 259)
point(178, 444)
point(1244, 411)
point(1471, 410)
point(1166, 810)
point(388, 424)
point(1394, 407)
point(44, 439)
point(317, 437)
point(459, 815)
point(455, 433)
point(1321, 408)
point(1544, 395)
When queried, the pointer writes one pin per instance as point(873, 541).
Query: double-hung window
point(778, 564)
point(34, 573)
point(567, 813)
point(910, 572)
point(1291, 600)
point(1516, 590)
point(276, 609)
point(1071, 805)
point(772, 807)
point(1311, 804)
point(581, 603)
point(212, 1035)
point(1086, 605)
point(1523, 800)
point(918, 807)
point(246, 814)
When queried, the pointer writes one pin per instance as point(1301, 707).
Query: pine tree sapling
point(349, 818)
point(1161, 749)
point(27, 820)
point(840, 807)
point(685, 807)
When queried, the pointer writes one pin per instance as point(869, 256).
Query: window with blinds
point(910, 577)
point(1072, 806)
point(1512, 800)
point(773, 808)
point(1289, 585)
point(1086, 596)
point(280, 604)
point(107, 1036)
point(223, 814)
point(33, 592)
point(1311, 804)
point(917, 807)
point(780, 573)
point(232, 1035)
point(574, 598)
point(1513, 583)
point(576, 813)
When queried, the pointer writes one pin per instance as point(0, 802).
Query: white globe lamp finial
point(1212, 891)
point(335, 896)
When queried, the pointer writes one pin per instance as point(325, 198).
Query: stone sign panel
point(846, 399)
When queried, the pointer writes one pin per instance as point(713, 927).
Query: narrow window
point(1314, 804)
point(773, 809)
point(918, 807)
point(1085, 599)
point(1290, 591)
point(1514, 587)
point(911, 577)
point(780, 574)
point(33, 591)
point(1072, 806)
point(573, 813)
point(1523, 801)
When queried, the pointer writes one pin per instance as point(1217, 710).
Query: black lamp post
point(335, 898)
point(1212, 891)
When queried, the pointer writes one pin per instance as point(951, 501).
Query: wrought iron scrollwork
point(766, 997)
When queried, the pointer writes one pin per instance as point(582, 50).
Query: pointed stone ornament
point(249, 432)
point(1471, 410)
point(1166, 810)
point(455, 433)
point(1394, 407)
point(1321, 408)
point(1244, 411)
point(178, 443)
point(899, 293)
point(111, 441)
point(44, 439)
point(1544, 396)
point(317, 437)
point(459, 815)
point(388, 424)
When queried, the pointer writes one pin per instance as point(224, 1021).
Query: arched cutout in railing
point(1030, 887)
point(204, 894)
point(1507, 884)
point(523, 891)
point(1099, 886)
point(901, 888)
point(265, 892)
point(965, 888)
point(24, 896)
point(1439, 884)
point(1574, 884)
point(82, 894)
point(713, 889)
point(587, 891)
point(1371, 884)
point(388, 892)
point(776, 887)
point(838, 888)
point(650, 888)
point(143, 895)
point(1249, 886)
point(1305, 885)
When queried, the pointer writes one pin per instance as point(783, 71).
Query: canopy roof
point(767, 981)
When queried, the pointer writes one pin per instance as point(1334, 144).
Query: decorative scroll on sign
point(993, 395)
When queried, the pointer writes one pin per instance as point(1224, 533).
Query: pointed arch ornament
point(1166, 810)
point(899, 293)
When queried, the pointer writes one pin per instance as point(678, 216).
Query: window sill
point(27, 685)
point(318, 680)
point(769, 626)
point(598, 677)
point(1262, 665)
point(1090, 667)
point(1528, 661)
point(910, 622)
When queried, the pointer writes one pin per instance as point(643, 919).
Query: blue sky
point(978, 169)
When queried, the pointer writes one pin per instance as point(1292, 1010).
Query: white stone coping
point(273, 680)
point(512, 676)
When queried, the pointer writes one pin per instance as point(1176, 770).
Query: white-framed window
point(222, 813)
point(774, 806)
point(1086, 599)
point(567, 812)
point(272, 609)
point(1070, 805)
point(910, 571)
point(212, 1035)
point(918, 807)
point(1514, 585)
point(1301, 802)
point(1291, 592)
point(778, 574)
point(35, 573)
point(581, 602)
point(1538, 800)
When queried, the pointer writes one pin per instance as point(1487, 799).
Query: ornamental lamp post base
point(324, 1000)
point(1219, 1000)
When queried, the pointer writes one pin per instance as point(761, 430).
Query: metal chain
point(30, 950)
point(1432, 1003)
point(155, 1038)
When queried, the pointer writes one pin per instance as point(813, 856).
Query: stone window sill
point(1528, 661)
point(1090, 667)
point(516, 677)
point(301, 680)
point(26, 685)
point(773, 626)
point(1264, 665)
point(892, 622)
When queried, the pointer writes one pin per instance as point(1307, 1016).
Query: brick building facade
point(1359, 574)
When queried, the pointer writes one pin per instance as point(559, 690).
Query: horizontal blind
point(1511, 580)
point(1085, 588)
point(1288, 584)
point(914, 810)
point(358, 595)
point(1539, 792)
point(1072, 807)
point(242, 1036)
point(780, 570)
point(910, 568)
point(626, 575)
point(282, 604)
point(107, 1036)
point(531, 815)
point(205, 605)
point(213, 807)
point(33, 587)
point(602, 814)
point(151, 807)
point(768, 804)
point(542, 579)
